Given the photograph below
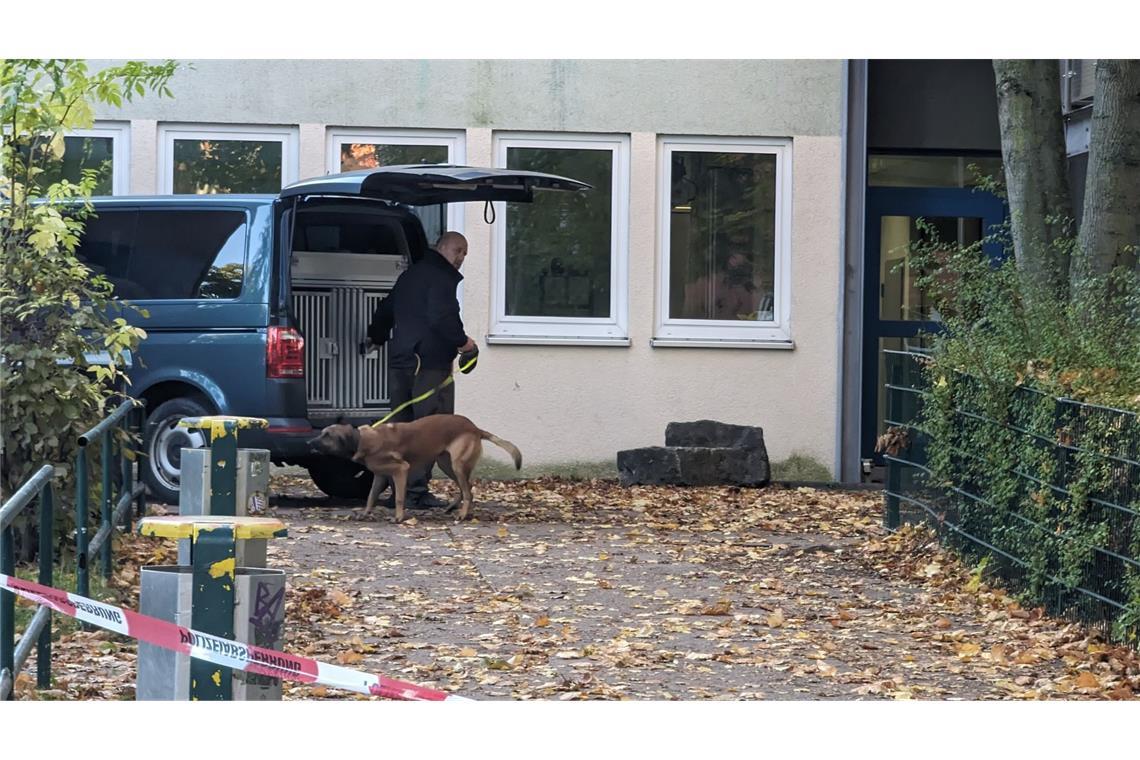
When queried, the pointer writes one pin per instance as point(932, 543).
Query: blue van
point(257, 303)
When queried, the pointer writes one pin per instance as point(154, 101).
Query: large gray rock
point(707, 466)
point(702, 453)
point(651, 466)
point(692, 466)
point(713, 434)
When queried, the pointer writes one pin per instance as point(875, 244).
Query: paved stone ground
point(585, 590)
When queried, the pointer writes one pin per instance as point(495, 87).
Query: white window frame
point(454, 140)
point(609, 331)
point(120, 134)
point(708, 333)
point(288, 136)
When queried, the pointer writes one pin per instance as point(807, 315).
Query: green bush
point(55, 309)
point(1019, 381)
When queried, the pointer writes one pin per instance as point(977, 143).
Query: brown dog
point(393, 450)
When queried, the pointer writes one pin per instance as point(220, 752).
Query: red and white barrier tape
point(219, 651)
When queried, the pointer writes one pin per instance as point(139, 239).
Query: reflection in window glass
point(167, 254)
point(434, 220)
point(900, 298)
point(355, 156)
point(722, 239)
point(559, 251)
point(181, 254)
point(202, 167)
point(80, 154)
point(930, 171)
point(224, 277)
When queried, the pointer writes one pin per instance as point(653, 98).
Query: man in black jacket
point(422, 316)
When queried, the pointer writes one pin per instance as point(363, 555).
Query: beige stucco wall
point(578, 403)
point(564, 403)
point(743, 97)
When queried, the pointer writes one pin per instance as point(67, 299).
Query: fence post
point(894, 472)
point(894, 483)
point(8, 610)
point(126, 478)
point(140, 503)
point(47, 544)
point(108, 503)
point(1060, 480)
point(82, 582)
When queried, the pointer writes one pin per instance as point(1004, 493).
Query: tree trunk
point(1033, 155)
point(1110, 226)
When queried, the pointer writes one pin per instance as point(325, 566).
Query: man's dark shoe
point(425, 501)
point(411, 501)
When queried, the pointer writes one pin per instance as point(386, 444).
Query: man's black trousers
point(405, 384)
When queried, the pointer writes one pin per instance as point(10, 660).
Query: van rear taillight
point(284, 353)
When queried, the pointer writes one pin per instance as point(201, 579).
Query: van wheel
point(163, 444)
point(338, 478)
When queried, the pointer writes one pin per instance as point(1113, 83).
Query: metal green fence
point(111, 436)
point(38, 632)
point(1054, 509)
point(113, 512)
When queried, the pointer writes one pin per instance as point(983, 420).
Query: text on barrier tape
point(217, 650)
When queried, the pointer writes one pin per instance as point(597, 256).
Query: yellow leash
point(446, 382)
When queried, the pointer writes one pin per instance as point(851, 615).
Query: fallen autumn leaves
point(568, 590)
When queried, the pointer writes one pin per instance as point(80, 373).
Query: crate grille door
point(313, 310)
point(375, 363)
point(334, 322)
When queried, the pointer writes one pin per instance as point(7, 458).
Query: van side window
point(189, 254)
point(105, 247)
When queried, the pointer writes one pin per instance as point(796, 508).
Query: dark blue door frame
point(912, 202)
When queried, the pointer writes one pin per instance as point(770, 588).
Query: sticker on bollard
point(219, 651)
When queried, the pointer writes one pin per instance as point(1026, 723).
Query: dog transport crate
point(334, 296)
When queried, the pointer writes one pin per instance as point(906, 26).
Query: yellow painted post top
point(219, 425)
point(191, 526)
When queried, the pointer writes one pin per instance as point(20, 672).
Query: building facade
point(600, 324)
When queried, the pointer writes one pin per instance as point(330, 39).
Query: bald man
point(422, 315)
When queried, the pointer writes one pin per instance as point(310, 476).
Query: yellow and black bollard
point(214, 547)
point(222, 431)
point(213, 542)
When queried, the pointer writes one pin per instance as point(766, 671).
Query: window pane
point(900, 298)
point(105, 247)
point(929, 171)
point(559, 247)
point(79, 154)
point(355, 156)
point(329, 232)
point(227, 166)
point(722, 236)
point(434, 220)
point(188, 254)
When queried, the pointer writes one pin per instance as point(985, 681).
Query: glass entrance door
point(895, 310)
